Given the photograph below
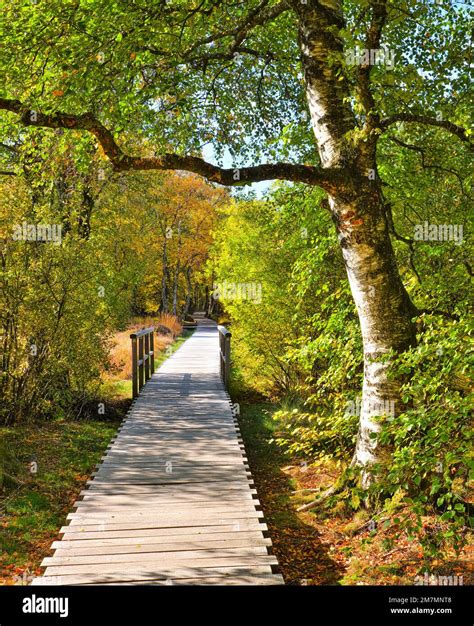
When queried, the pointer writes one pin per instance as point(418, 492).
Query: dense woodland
point(129, 132)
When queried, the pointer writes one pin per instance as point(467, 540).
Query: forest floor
point(328, 546)
point(33, 510)
point(34, 506)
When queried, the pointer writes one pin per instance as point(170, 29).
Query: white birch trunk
point(383, 306)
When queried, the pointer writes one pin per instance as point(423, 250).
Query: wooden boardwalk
point(172, 501)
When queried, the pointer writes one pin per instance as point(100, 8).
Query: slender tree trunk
point(85, 214)
point(197, 297)
point(384, 308)
point(189, 293)
point(164, 284)
point(176, 272)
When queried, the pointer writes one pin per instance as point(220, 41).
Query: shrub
point(169, 322)
point(430, 442)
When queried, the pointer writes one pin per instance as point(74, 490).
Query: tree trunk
point(164, 285)
point(176, 272)
point(85, 213)
point(384, 307)
point(189, 292)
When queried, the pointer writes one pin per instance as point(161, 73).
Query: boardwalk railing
point(143, 357)
point(224, 344)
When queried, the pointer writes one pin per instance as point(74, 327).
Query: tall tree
point(242, 76)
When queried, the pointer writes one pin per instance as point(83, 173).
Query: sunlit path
point(172, 501)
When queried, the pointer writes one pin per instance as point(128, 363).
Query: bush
point(431, 440)
point(169, 324)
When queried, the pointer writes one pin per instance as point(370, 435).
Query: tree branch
point(372, 42)
point(410, 242)
point(257, 17)
point(327, 178)
point(260, 15)
point(446, 314)
point(459, 131)
point(428, 166)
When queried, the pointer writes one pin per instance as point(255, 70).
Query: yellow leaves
point(139, 247)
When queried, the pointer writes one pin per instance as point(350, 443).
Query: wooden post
point(143, 358)
point(227, 360)
point(152, 352)
point(134, 366)
point(147, 356)
point(141, 382)
point(224, 354)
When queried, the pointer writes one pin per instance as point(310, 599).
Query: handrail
point(224, 346)
point(143, 331)
point(143, 357)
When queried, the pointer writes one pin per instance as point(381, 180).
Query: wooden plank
point(253, 537)
point(145, 574)
point(157, 513)
point(73, 533)
point(262, 579)
point(164, 521)
point(88, 506)
point(178, 460)
point(181, 459)
point(193, 499)
point(205, 486)
point(188, 522)
point(160, 557)
point(166, 569)
point(216, 473)
point(221, 512)
point(97, 511)
point(162, 480)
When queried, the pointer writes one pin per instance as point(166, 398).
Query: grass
point(32, 512)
